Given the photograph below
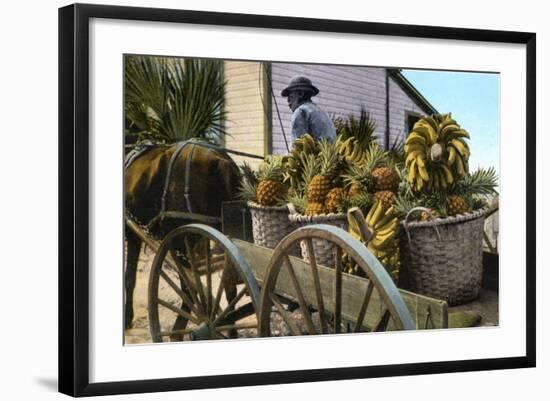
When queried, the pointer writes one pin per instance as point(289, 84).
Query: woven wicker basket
point(442, 258)
point(324, 250)
point(270, 224)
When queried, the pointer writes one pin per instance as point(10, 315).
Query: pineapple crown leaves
point(247, 190)
point(362, 201)
point(247, 173)
point(361, 128)
point(329, 159)
point(375, 157)
point(299, 202)
point(272, 168)
point(360, 175)
point(248, 182)
point(483, 181)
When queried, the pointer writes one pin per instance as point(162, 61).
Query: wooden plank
point(423, 309)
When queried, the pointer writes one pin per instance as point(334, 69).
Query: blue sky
point(473, 100)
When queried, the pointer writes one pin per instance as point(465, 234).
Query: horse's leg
point(133, 244)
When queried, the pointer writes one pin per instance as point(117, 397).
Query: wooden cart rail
point(427, 313)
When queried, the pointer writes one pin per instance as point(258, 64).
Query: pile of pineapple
point(430, 170)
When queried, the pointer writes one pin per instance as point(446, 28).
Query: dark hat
point(300, 83)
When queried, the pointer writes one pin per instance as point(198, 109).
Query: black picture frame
point(74, 194)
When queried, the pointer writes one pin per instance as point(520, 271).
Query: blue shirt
point(308, 118)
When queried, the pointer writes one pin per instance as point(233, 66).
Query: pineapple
point(456, 205)
point(385, 179)
point(333, 199)
point(271, 190)
point(322, 182)
point(359, 181)
point(315, 208)
point(386, 197)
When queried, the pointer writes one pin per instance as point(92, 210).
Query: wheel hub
point(202, 332)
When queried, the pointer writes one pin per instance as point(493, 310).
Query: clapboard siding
point(343, 90)
point(245, 111)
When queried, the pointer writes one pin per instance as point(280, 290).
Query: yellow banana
point(381, 241)
point(376, 214)
point(423, 173)
point(419, 183)
point(448, 129)
point(460, 167)
point(452, 155)
point(354, 154)
point(411, 173)
point(460, 133)
point(442, 178)
point(414, 147)
point(412, 156)
point(415, 137)
point(370, 213)
point(420, 160)
point(448, 174)
point(388, 216)
point(391, 226)
point(461, 147)
point(424, 131)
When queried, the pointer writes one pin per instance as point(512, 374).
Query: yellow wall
point(245, 112)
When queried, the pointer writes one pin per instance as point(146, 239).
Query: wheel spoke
point(364, 306)
point(177, 310)
point(178, 291)
point(231, 305)
point(208, 276)
point(196, 275)
point(184, 275)
point(338, 291)
point(383, 321)
point(241, 313)
point(286, 316)
point(317, 284)
point(300, 296)
point(219, 293)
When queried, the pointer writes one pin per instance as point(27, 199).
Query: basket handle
point(416, 209)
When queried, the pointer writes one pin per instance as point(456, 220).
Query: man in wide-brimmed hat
point(307, 117)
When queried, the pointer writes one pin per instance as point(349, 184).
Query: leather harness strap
point(139, 150)
point(171, 163)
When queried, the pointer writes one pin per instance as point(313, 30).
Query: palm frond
point(169, 100)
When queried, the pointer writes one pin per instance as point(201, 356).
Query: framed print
point(249, 199)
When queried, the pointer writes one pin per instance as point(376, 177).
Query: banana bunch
point(379, 232)
point(351, 151)
point(436, 154)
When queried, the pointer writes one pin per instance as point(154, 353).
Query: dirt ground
point(481, 312)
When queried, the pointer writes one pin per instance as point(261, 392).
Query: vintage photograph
point(271, 199)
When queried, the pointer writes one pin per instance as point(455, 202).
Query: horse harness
point(189, 215)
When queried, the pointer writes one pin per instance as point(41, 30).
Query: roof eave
point(408, 87)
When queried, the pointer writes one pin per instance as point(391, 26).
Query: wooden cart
point(206, 285)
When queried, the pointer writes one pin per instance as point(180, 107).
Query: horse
point(191, 177)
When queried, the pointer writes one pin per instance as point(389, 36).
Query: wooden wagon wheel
point(372, 304)
point(201, 288)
